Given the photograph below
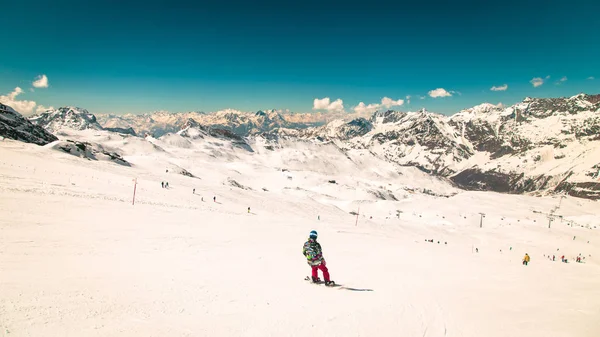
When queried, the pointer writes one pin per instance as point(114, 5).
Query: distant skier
point(526, 259)
point(194, 191)
point(314, 256)
point(167, 184)
point(162, 184)
point(215, 199)
point(248, 209)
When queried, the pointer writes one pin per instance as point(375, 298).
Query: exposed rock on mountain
point(15, 126)
point(89, 151)
point(70, 117)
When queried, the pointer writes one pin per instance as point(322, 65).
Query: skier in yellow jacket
point(526, 259)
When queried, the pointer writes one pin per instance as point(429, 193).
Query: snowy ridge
point(546, 145)
point(535, 146)
point(239, 122)
point(14, 126)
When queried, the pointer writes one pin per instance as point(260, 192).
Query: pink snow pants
point(315, 272)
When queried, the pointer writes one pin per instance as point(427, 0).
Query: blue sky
point(119, 57)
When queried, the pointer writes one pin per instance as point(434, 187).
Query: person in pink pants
point(314, 256)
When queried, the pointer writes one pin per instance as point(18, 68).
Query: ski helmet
point(313, 234)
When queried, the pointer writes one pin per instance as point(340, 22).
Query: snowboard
point(309, 279)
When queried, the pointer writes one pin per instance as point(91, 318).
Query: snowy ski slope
point(78, 259)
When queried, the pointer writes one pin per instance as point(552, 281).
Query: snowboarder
point(314, 256)
point(526, 259)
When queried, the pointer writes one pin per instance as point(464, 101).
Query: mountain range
point(538, 146)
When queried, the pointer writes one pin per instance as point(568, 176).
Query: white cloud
point(41, 82)
point(563, 79)
point(388, 102)
point(499, 88)
point(537, 81)
point(336, 106)
point(41, 108)
point(24, 107)
point(422, 97)
point(385, 102)
point(326, 104)
point(321, 104)
point(456, 92)
point(590, 78)
point(439, 92)
point(361, 108)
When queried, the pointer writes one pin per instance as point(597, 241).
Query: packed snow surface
point(78, 259)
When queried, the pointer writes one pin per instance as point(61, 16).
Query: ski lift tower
point(550, 219)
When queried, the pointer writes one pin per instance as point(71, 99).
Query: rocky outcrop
point(14, 126)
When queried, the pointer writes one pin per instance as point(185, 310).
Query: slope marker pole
point(134, 188)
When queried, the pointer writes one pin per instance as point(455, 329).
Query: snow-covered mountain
point(550, 145)
point(538, 145)
point(15, 126)
point(193, 130)
point(69, 117)
point(74, 118)
point(242, 123)
point(155, 124)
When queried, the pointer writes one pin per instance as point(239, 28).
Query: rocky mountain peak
point(70, 117)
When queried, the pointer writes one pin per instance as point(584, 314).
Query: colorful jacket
point(526, 258)
point(312, 251)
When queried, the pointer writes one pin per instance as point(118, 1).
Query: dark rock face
point(474, 179)
point(217, 132)
point(587, 190)
point(15, 126)
point(89, 151)
point(356, 128)
point(126, 131)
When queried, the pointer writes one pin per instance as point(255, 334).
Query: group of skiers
point(164, 184)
